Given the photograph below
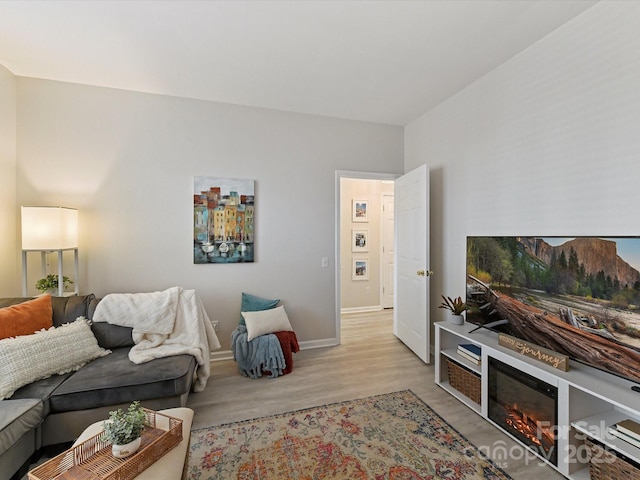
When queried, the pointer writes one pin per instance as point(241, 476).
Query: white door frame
point(361, 176)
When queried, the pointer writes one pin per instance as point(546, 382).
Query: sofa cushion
point(65, 309)
point(17, 417)
point(8, 301)
point(115, 379)
point(26, 318)
point(68, 309)
point(57, 350)
point(112, 336)
point(108, 335)
point(41, 390)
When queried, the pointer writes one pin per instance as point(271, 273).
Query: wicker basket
point(464, 380)
point(605, 465)
point(92, 459)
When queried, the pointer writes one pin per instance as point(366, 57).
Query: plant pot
point(456, 319)
point(122, 451)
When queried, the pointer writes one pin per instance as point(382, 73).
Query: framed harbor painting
point(223, 220)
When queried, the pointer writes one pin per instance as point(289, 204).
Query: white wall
point(546, 144)
point(127, 160)
point(9, 244)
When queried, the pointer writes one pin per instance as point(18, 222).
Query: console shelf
point(460, 396)
point(453, 355)
point(596, 427)
point(589, 400)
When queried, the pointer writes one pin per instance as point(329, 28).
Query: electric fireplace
point(524, 406)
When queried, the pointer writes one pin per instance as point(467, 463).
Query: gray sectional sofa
point(57, 409)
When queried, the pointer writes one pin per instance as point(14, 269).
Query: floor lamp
point(47, 230)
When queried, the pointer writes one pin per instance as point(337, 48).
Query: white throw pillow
point(266, 321)
point(28, 358)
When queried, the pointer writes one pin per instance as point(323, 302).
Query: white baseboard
point(308, 345)
point(221, 355)
point(370, 308)
point(326, 342)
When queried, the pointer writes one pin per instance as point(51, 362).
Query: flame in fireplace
point(529, 427)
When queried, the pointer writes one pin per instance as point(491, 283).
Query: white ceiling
point(377, 61)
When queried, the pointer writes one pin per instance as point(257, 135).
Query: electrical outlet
point(325, 262)
point(367, 290)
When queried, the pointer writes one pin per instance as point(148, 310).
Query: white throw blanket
point(171, 322)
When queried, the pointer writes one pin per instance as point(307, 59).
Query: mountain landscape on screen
point(577, 296)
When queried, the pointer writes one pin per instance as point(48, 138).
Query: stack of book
point(470, 352)
point(627, 430)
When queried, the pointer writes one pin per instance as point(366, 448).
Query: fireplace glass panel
point(524, 406)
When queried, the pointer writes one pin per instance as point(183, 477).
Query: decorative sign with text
point(551, 358)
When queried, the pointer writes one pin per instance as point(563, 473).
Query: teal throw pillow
point(251, 303)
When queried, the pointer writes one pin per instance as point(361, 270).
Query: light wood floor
point(370, 361)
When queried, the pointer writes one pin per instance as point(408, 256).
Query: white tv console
point(589, 400)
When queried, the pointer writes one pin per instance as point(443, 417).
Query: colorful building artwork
point(223, 220)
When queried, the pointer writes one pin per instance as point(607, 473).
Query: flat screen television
point(579, 296)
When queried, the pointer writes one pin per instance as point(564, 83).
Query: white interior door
point(411, 309)
point(388, 252)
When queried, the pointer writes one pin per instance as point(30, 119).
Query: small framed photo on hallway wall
point(359, 240)
point(360, 269)
point(360, 211)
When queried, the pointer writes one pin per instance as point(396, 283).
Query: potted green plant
point(50, 284)
point(124, 430)
point(456, 306)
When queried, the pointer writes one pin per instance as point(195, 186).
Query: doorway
point(364, 243)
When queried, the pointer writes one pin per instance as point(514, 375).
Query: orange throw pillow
point(26, 318)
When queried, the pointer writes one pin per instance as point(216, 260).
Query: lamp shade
point(49, 228)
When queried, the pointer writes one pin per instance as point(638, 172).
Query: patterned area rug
point(394, 436)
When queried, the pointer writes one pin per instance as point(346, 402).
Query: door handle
point(429, 273)
point(424, 273)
